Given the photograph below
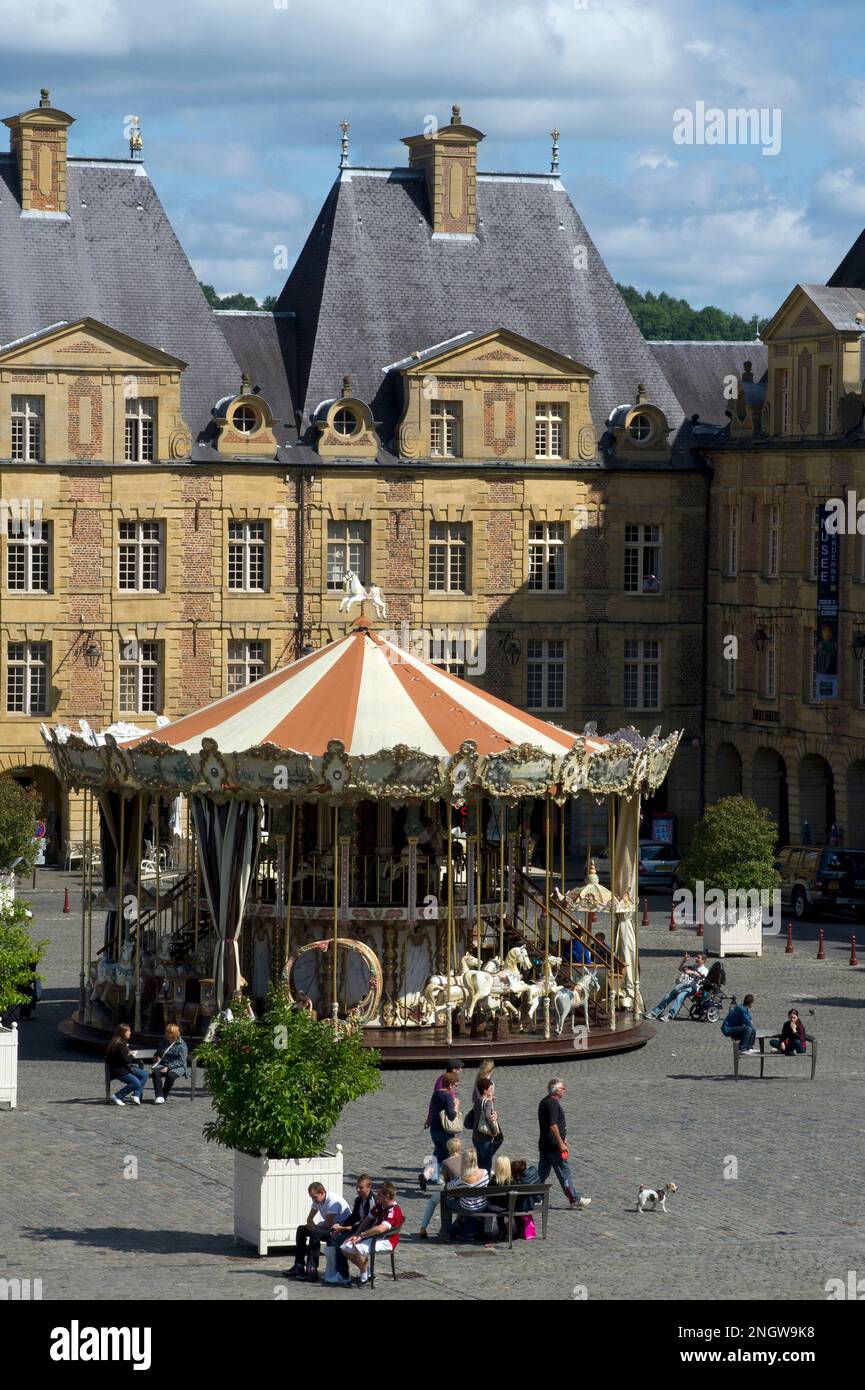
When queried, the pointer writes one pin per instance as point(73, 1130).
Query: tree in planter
point(279, 1084)
point(20, 808)
point(19, 956)
point(733, 849)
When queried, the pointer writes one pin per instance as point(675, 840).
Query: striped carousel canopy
point(369, 694)
point(364, 717)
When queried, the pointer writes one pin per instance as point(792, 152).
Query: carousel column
point(139, 807)
point(279, 914)
point(548, 847)
point(81, 993)
point(471, 882)
point(88, 840)
point(614, 921)
point(448, 1018)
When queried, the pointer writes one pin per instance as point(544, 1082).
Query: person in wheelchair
point(709, 991)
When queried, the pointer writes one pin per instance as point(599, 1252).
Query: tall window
point(733, 540)
point(27, 428)
point(247, 662)
point(444, 429)
point(773, 541)
point(782, 401)
point(140, 556)
point(448, 650)
point(549, 431)
point(731, 676)
point(642, 559)
point(545, 674)
point(642, 674)
point(140, 430)
point(140, 677)
point(247, 555)
point(449, 556)
point(28, 556)
point(769, 681)
point(827, 401)
point(347, 546)
point(547, 556)
point(28, 674)
point(814, 557)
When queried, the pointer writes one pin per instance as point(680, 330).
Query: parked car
point(815, 880)
point(659, 865)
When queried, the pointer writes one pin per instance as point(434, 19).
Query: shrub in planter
point(733, 850)
point(19, 956)
point(20, 808)
point(280, 1083)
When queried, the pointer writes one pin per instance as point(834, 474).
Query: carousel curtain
point(228, 840)
point(627, 847)
point(109, 840)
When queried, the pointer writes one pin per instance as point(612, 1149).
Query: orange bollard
point(645, 921)
point(66, 907)
point(853, 958)
point(821, 949)
point(788, 949)
point(673, 926)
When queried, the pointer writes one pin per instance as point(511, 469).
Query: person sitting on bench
point(380, 1228)
point(792, 1039)
point(327, 1209)
point(739, 1024)
point(364, 1202)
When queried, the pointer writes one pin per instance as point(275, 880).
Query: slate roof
point(117, 259)
point(371, 286)
point(696, 372)
point(838, 304)
point(851, 272)
point(263, 345)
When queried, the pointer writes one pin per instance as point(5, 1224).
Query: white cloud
point(843, 190)
point(650, 159)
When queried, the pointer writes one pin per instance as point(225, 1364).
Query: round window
point(245, 419)
point(345, 421)
point(640, 428)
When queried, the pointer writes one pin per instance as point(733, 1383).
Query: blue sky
point(240, 105)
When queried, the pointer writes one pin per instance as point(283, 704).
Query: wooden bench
point(513, 1192)
point(766, 1034)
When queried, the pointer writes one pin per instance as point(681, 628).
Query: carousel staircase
point(570, 928)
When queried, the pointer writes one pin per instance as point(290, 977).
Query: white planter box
point(271, 1198)
point(741, 934)
point(9, 1067)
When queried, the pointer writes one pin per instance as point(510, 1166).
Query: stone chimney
point(448, 157)
point(38, 140)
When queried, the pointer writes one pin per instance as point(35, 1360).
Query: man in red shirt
point(379, 1230)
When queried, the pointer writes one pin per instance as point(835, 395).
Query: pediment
point(496, 354)
point(87, 343)
point(798, 317)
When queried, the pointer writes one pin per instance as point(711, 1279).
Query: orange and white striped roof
point(370, 695)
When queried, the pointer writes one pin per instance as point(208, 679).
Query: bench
point(766, 1034)
point(513, 1192)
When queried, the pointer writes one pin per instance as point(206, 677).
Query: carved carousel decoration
point(360, 828)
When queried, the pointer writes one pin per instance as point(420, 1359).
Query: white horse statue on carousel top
point(354, 592)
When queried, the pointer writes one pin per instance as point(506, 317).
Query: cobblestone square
point(670, 1111)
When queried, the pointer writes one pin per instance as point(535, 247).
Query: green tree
point(660, 316)
point(733, 848)
point(280, 1083)
point(19, 955)
point(20, 808)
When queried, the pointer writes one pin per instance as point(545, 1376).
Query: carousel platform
point(401, 1047)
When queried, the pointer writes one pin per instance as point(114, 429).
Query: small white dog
point(655, 1198)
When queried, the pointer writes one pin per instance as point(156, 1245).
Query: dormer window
point(640, 428)
point(140, 430)
point(345, 421)
point(27, 428)
point(549, 431)
point(444, 429)
point(245, 419)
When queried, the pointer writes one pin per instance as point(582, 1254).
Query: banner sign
point(826, 654)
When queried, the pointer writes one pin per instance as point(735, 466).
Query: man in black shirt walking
point(552, 1146)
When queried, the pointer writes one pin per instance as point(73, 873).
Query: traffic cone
point(645, 920)
point(853, 958)
point(673, 926)
point(821, 949)
point(788, 949)
point(66, 907)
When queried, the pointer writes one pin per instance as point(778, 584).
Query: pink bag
point(529, 1228)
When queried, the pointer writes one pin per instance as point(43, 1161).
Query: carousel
point(379, 838)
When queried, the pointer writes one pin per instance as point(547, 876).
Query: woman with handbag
point(444, 1115)
point(172, 1056)
point(486, 1130)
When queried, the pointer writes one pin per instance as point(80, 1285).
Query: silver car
point(659, 865)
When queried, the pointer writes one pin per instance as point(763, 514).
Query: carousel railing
point(570, 929)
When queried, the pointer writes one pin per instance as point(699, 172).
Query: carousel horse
point(569, 999)
point(437, 985)
point(355, 592)
point(536, 989)
point(482, 985)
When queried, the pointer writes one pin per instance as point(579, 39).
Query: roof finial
point(45, 97)
point(343, 149)
point(136, 144)
point(346, 387)
point(456, 118)
point(245, 383)
point(554, 161)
